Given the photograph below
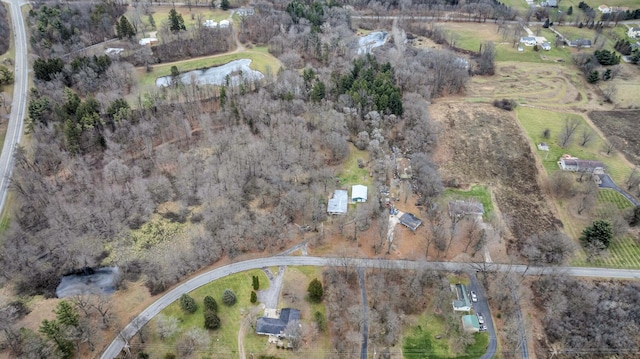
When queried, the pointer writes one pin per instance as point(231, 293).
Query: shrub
point(505, 104)
point(210, 304)
point(320, 320)
point(593, 77)
point(229, 297)
point(315, 291)
point(188, 304)
point(211, 320)
point(254, 297)
point(256, 282)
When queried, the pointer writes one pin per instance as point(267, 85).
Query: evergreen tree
point(593, 77)
point(224, 4)
point(546, 24)
point(125, 29)
point(607, 75)
point(223, 96)
point(254, 297)
point(188, 304)
point(318, 92)
point(315, 291)
point(599, 234)
point(152, 21)
point(176, 22)
point(255, 282)
point(570, 10)
point(229, 297)
point(211, 320)
point(210, 304)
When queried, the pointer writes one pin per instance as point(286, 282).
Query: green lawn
point(609, 199)
point(480, 193)
point(420, 341)
point(516, 4)
point(623, 253)
point(535, 121)
point(351, 174)
point(465, 39)
point(162, 14)
point(261, 61)
point(224, 340)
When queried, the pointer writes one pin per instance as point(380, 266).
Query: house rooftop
point(276, 326)
point(338, 204)
point(410, 221)
point(359, 193)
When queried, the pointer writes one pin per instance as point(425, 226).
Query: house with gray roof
point(276, 326)
point(462, 303)
point(338, 204)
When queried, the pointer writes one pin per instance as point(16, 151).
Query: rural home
point(549, 3)
point(224, 24)
point(461, 208)
point(462, 304)
point(410, 221)
point(210, 24)
point(470, 323)
point(148, 41)
point(528, 40)
point(573, 164)
point(275, 326)
point(578, 43)
point(634, 32)
point(359, 193)
point(338, 204)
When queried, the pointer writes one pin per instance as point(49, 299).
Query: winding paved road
point(20, 87)
point(143, 318)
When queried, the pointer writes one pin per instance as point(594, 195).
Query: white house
point(148, 41)
point(528, 40)
point(359, 193)
point(578, 165)
point(224, 24)
point(634, 32)
point(338, 204)
point(210, 24)
point(604, 9)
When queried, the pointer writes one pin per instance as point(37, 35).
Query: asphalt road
point(143, 318)
point(14, 128)
point(482, 306)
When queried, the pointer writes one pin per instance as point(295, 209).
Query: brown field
point(623, 124)
point(481, 144)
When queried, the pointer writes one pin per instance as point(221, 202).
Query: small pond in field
point(237, 70)
point(88, 281)
point(372, 40)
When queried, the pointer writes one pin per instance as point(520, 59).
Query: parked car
point(483, 328)
point(480, 318)
point(474, 297)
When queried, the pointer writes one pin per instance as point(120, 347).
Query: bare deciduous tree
point(568, 130)
point(586, 136)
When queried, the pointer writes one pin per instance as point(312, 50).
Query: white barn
point(359, 193)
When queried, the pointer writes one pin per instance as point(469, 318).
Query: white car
point(474, 297)
point(480, 318)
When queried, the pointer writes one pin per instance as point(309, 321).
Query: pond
point(375, 39)
point(88, 281)
point(237, 70)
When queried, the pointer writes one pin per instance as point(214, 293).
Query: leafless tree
point(609, 92)
point(568, 130)
point(587, 196)
point(553, 248)
point(561, 184)
point(586, 136)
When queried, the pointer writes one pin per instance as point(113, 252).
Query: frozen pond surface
point(216, 75)
point(97, 281)
point(371, 41)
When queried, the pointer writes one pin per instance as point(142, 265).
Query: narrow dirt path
point(365, 314)
point(244, 326)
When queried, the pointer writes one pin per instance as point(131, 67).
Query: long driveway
point(482, 306)
point(14, 128)
point(143, 318)
point(607, 182)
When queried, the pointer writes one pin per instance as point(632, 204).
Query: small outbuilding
point(410, 221)
point(359, 193)
point(470, 323)
point(543, 146)
point(210, 24)
point(224, 24)
point(148, 41)
point(338, 204)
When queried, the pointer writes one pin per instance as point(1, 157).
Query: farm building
point(462, 303)
point(573, 164)
point(470, 324)
point(634, 32)
point(528, 40)
point(338, 204)
point(359, 193)
point(465, 208)
point(578, 43)
point(275, 326)
point(410, 221)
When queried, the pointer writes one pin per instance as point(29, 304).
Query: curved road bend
point(143, 318)
point(14, 128)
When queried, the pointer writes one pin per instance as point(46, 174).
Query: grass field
point(535, 121)
point(261, 60)
point(190, 17)
point(623, 253)
point(480, 193)
point(224, 340)
point(609, 199)
point(351, 174)
point(420, 342)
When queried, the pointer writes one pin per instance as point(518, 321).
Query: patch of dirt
point(622, 124)
point(482, 144)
